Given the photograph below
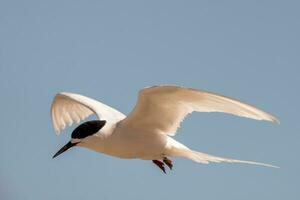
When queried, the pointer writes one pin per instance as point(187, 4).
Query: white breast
point(128, 144)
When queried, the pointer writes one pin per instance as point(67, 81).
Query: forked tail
point(206, 158)
point(179, 149)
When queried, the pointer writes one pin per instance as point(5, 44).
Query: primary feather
point(164, 107)
point(67, 108)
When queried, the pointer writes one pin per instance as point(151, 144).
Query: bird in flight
point(147, 132)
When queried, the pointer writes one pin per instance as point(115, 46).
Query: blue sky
point(109, 50)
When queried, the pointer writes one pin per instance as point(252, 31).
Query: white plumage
point(145, 132)
point(69, 107)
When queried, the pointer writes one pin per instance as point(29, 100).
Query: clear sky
point(109, 50)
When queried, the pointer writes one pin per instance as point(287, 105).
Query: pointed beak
point(64, 148)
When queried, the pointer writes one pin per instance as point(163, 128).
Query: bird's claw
point(168, 162)
point(160, 164)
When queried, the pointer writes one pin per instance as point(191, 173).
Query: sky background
point(109, 50)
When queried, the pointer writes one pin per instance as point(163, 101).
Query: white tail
point(178, 149)
point(206, 158)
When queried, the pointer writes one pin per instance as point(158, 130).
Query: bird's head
point(81, 132)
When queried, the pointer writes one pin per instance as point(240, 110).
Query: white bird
point(146, 133)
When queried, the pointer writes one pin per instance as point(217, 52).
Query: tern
point(147, 132)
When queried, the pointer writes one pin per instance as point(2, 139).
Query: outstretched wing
point(67, 108)
point(162, 108)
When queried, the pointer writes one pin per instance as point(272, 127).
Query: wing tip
point(272, 119)
point(57, 131)
point(275, 120)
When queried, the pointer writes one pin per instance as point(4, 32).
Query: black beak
point(64, 148)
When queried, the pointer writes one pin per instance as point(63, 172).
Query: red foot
point(160, 165)
point(168, 162)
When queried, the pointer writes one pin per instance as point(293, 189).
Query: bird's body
point(146, 132)
point(128, 144)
